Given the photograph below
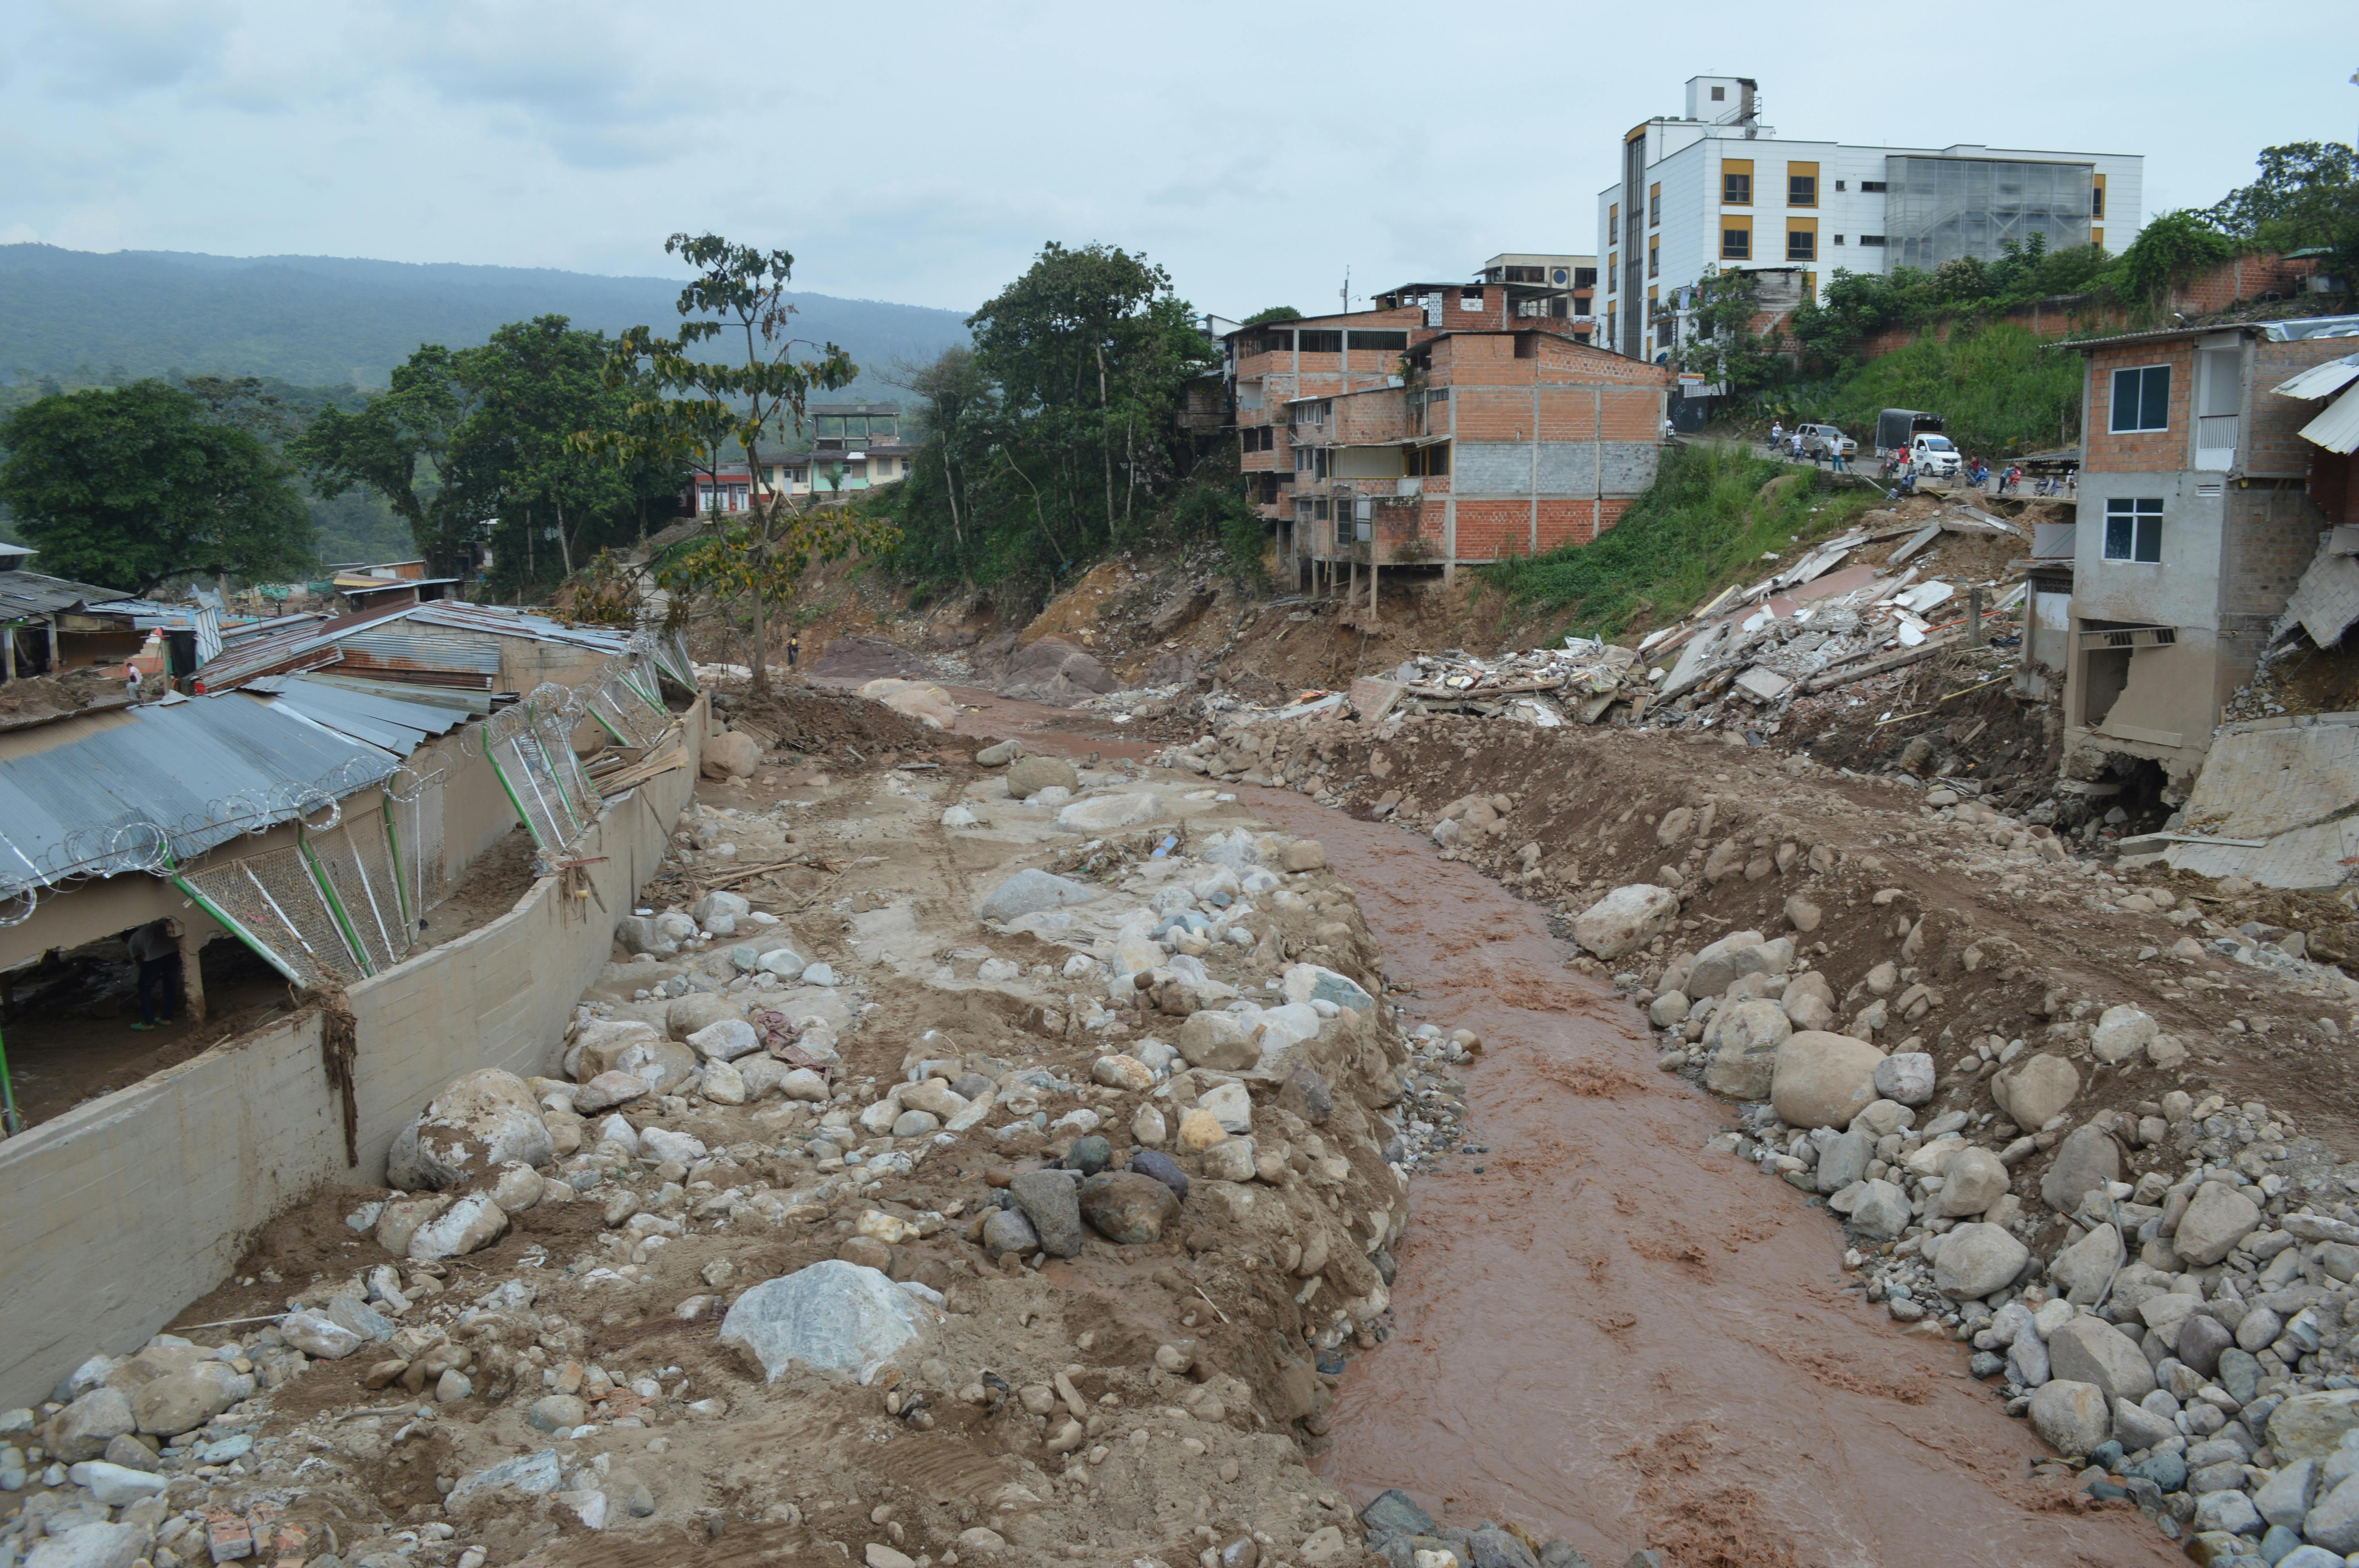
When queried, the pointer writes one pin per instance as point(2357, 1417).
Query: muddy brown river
point(1612, 1337)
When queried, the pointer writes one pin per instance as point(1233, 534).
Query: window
point(1426, 460)
point(1720, 95)
point(2097, 197)
point(1394, 341)
point(1839, 184)
point(1654, 206)
point(1310, 413)
point(1613, 265)
point(1584, 277)
point(829, 424)
point(1319, 509)
point(2142, 399)
point(1654, 258)
point(1839, 239)
point(1876, 240)
point(1801, 185)
point(2132, 529)
point(1321, 342)
point(1736, 189)
point(1802, 244)
point(1872, 187)
point(1470, 300)
point(1271, 344)
point(880, 425)
point(1736, 245)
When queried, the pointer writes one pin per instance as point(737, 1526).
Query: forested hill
point(319, 321)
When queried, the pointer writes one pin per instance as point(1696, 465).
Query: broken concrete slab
point(1763, 683)
point(1372, 698)
point(2292, 783)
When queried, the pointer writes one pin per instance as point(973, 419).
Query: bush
point(1712, 511)
point(1998, 391)
point(1219, 511)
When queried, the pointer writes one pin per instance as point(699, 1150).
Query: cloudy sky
point(921, 152)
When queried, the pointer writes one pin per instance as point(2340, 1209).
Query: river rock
point(1822, 1080)
point(1027, 776)
point(832, 1316)
point(1007, 1230)
point(318, 1335)
point(1315, 983)
point(2071, 1417)
point(2085, 1268)
point(1162, 1167)
point(1049, 1202)
point(2138, 1427)
point(1394, 1512)
point(608, 1090)
point(1030, 890)
point(640, 934)
point(2333, 1522)
point(1843, 1159)
point(723, 1084)
point(469, 1225)
point(2035, 1090)
point(92, 1545)
point(1906, 1077)
point(1971, 1180)
point(2202, 1338)
point(117, 1486)
point(2286, 1497)
point(730, 755)
point(83, 1429)
point(1231, 1104)
point(696, 1012)
point(1741, 953)
point(1978, 1260)
point(719, 904)
point(2090, 1350)
point(2216, 1219)
point(2310, 1425)
point(1127, 1208)
point(1223, 1040)
point(2086, 1161)
point(480, 1119)
point(1105, 813)
point(1231, 1159)
point(2121, 1033)
point(1745, 1061)
point(183, 1401)
point(782, 963)
point(725, 1040)
point(531, 1475)
point(1626, 919)
point(1882, 1211)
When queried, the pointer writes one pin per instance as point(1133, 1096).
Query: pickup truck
point(1935, 457)
point(1825, 440)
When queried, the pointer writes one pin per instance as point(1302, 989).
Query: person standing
point(793, 649)
point(155, 948)
point(1777, 434)
point(1835, 448)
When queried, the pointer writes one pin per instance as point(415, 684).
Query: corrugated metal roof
point(99, 795)
point(2336, 429)
point(277, 653)
point(2321, 381)
point(31, 593)
point(400, 727)
point(2310, 327)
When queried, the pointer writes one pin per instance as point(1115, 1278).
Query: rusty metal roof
point(317, 646)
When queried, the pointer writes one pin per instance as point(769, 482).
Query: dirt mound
point(858, 659)
point(30, 699)
point(841, 729)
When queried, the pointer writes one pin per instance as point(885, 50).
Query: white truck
point(1934, 457)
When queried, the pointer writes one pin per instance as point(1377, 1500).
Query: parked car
point(1935, 457)
point(1825, 440)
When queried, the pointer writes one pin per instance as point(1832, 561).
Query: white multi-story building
point(1715, 191)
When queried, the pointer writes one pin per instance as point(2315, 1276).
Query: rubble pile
point(827, 1166)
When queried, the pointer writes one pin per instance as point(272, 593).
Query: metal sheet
point(105, 794)
point(400, 727)
point(2336, 429)
point(405, 644)
point(445, 635)
point(2321, 381)
point(31, 593)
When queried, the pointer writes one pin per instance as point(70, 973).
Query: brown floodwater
point(1608, 1334)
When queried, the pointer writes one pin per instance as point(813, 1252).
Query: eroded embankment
point(1610, 1334)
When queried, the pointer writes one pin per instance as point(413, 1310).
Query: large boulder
point(480, 1120)
point(2090, 1350)
point(1881, 1211)
point(1027, 776)
point(834, 1317)
point(1745, 1058)
point(1626, 919)
point(1030, 890)
point(2084, 1268)
point(1223, 1040)
point(1733, 956)
point(2084, 1161)
point(1973, 1182)
point(1314, 983)
point(1976, 1260)
point(1127, 1208)
point(2035, 1090)
point(599, 1043)
point(94, 1545)
point(1906, 1078)
point(1822, 1080)
point(921, 700)
point(2218, 1218)
point(1051, 1204)
point(473, 1223)
point(731, 756)
point(183, 1401)
point(2310, 1426)
point(684, 1015)
point(2121, 1033)
point(84, 1428)
point(2072, 1417)
point(1056, 671)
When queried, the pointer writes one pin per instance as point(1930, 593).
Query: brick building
point(2194, 525)
point(1454, 423)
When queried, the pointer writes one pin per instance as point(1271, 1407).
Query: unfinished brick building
point(1453, 425)
point(2195, 525)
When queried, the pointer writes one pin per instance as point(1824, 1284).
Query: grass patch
point(1712, 512)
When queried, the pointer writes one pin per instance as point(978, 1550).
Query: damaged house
point(2195, 524)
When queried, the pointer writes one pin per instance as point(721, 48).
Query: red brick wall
point(2273, 445)
point(2147, 451)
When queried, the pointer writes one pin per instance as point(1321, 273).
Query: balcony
point(2216, 442)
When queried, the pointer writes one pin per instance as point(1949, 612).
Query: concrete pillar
point(193, 932)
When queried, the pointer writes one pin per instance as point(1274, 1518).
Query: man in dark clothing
point(155, 948)
point(793, 649)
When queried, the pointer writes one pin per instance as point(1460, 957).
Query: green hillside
point(77, 317)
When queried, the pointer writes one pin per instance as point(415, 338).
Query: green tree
point(708, 405)
point(2308, 195)
point(2172, 248)
point(404, 445)
point(132, 486)
point(1275, 313)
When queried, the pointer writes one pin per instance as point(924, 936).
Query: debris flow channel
point(1601, 1335)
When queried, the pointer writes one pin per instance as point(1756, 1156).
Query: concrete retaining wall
point(116, 1214)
